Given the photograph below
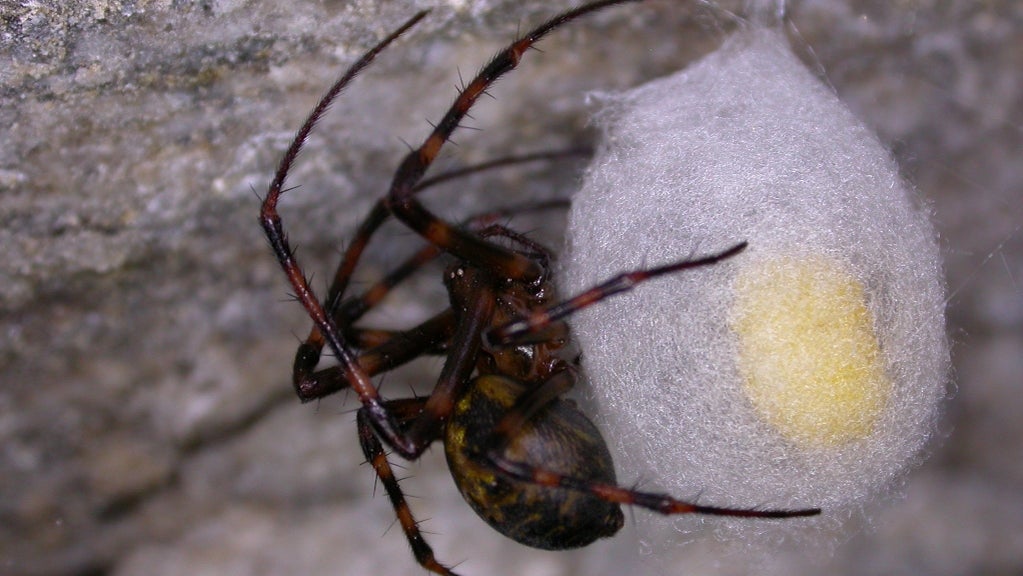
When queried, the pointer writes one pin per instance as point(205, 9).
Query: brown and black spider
point(529, 462)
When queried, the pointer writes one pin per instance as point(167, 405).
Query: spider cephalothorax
point(526, 459)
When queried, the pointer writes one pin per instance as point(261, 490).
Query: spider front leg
point(607, 492)
point(273, 228)
point(519, 330)
point(401, 200)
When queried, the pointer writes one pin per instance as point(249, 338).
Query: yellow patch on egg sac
point(808, 353)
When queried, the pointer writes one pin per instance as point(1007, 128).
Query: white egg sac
point(808, 370)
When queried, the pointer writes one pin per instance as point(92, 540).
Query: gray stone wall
point(146, 421)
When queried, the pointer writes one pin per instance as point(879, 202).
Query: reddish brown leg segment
point(386, 349)
point(538, 320)
point(274, 230)
point(310, 384)
point(548, 391)
point(660, 503)
point(404, 205)
point(375, 455)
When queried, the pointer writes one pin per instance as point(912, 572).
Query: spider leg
point(372, 338)
point(522, 329)
point(274, 230)
point(268, 213)
point(546, 392)
point(386, 349)
point(347, 311)
point(505, 161)
point(484, 224)
point(431, 336)
point(405, 410)
point(310, 384)
point(473, 312)
point(536, 251)
point(401, 197)
point(660, 503)
point(528, 404)
point(379, 214)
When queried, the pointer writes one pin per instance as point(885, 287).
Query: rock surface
point(146, 422)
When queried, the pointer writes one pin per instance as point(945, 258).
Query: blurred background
point(147, 425)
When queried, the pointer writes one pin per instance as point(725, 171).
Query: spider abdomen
point(559, 439)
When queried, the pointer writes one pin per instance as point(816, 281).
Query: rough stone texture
point(146, 423)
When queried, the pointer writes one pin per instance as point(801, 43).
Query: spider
point(528, 461)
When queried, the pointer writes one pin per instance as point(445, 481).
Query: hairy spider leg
point(660, 503)
point(401, 197)
point(432, 335)
point(482, 224)
point(536, 251)
point(386, 349)
point(310, 384)
point(273, 228)
point(514, 331)
point(554, 387)
point(405, 410)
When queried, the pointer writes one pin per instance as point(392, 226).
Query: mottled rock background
point(146, 422)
